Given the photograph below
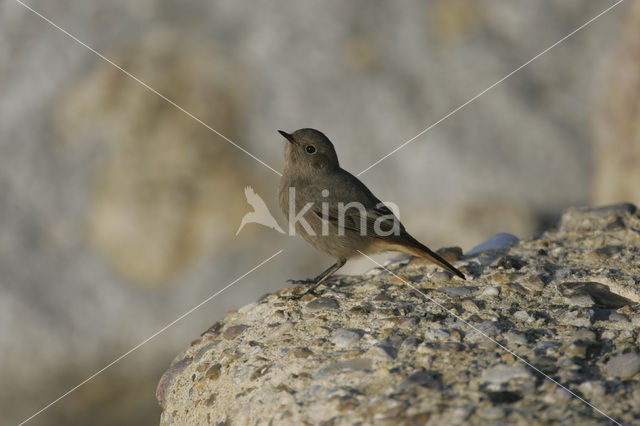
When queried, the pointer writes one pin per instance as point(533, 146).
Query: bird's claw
point(300, 295)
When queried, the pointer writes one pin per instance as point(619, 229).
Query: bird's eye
point(310, 149)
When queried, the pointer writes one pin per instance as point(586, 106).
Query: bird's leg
point(323, 275)
point(320, 278)
point(326, 274)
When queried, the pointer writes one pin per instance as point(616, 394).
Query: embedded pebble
point(491, 291)
point(504, 397)
point(481, 331)
point(619, 209)
point(585, 334)
point(616, 225)
point(606, 252)
point(492, 413)
point(594, 293)
point(523, 316)
point(301, 352)
point(441, 276)
point(504, 277)
point(534, 285)
point(426, 379)
point(580, 300)
point(515, 337)
point(213, 373)
point(499, 241)
point(169, 377)
point(503, 373)
point(234, 331)
point(343, 337)
point(511, 262)
point(517, 288)
point(624, 366)
point(450, 254)
point(322, 303)
point(382, 351)
point(361, 364)
point(592, 388)
point(470, 306)
point(577, 317)
point(459, 415)
point(458, 291)
point(436, 334)
point(616, 317)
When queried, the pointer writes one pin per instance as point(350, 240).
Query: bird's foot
point(300, 295)
point(312, 283)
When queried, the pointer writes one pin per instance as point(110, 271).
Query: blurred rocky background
point(118, 212)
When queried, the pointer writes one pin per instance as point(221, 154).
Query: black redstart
point(334, 211)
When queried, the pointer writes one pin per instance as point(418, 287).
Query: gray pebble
point(322, 303)
point(624, 366)
point(614, 210)
point(169, 377)
point(491, 291)
point(562, 273)
point(426, 379)
point(592, 388)
point(577, 317)
point(343, 337)
point(441, 276)
point(600, 294)
point(458, 291)
point(616, 317)
point(383, 351)
point(360, 364)
point(436, 334)
point(583, 300)
point(533, 286)
point(481, 331)
point(503, 373)
point(523, 316)
point(499, 241)
point(459, 415)
point(492, 413)
point(517, 338)
point(234, 331)
point(585, 334)
point(204, 350)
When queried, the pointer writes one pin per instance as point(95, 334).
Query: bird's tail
point(416, 248)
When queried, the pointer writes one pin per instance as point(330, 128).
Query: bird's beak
point(288, 136)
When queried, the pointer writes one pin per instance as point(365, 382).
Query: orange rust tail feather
point(435, 258)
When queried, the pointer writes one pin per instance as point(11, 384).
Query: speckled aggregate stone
point(371, 350)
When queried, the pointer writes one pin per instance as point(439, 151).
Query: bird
point(334, 211)
point(260, 213)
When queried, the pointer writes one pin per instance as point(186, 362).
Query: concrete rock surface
point(371, 350)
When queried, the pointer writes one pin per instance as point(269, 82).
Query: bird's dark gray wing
point(353, 219)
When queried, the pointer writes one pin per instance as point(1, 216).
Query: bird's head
point(309, 150)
